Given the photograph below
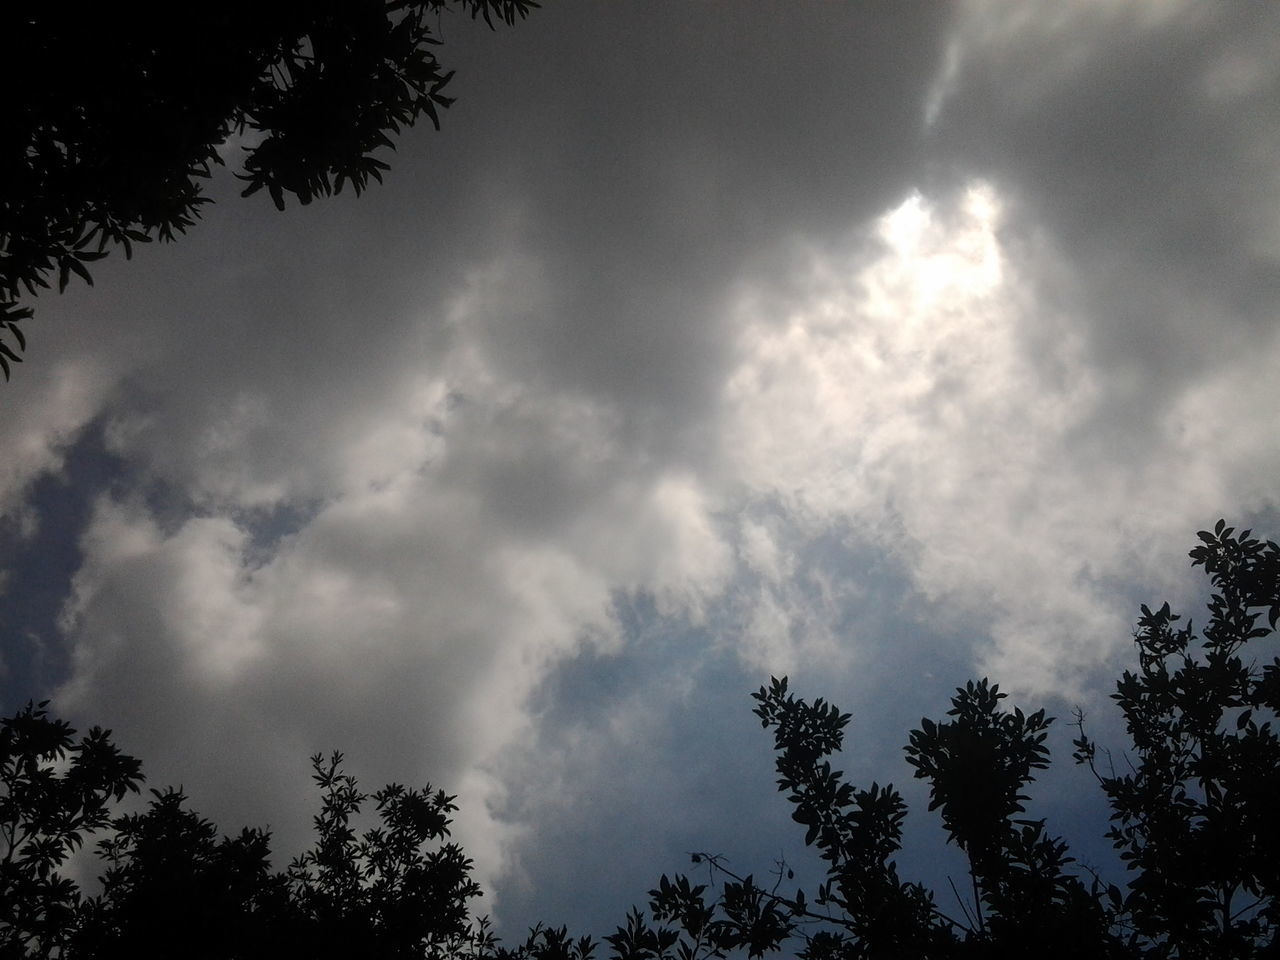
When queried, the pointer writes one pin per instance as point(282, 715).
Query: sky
point(883, 346)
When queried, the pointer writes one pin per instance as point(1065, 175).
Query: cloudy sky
point(882, 345)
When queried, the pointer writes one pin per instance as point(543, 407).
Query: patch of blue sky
point(39, 560)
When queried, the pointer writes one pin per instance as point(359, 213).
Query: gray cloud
point(883, 346)
point(1138, 137)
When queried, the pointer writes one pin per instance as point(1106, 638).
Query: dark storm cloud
point(661, 146)
point(836, 339)
point(1141, 139)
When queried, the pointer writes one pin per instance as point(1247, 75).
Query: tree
point(56, 792)
point(382, 894)
point(393, 891)
point(173, 887)
point(115, 117)
point(1194, 816)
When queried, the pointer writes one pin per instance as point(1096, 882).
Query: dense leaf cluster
point(1194, 809)
point(57, 791)
point(172, 886)
point(1193, 817)
point(115, 117)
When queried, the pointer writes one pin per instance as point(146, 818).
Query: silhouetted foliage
point(1193, 817)
point(173, 887)
point(382, 893)
point(115, 116)
point(57, 791)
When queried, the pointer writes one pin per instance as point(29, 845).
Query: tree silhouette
point(115, 117)
point(393, 891)
point(57, 791)
point(173, 887)
point(1193, 817)
point(382, 893)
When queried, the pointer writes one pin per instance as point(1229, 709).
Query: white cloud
point(43, 414)
point(899, 398)
point(472, 538)
point(472, 528)
point(710, 371)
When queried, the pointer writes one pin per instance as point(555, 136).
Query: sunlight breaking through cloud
point(900, 400)
point(886, 347)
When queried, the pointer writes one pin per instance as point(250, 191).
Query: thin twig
point(963, 905)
